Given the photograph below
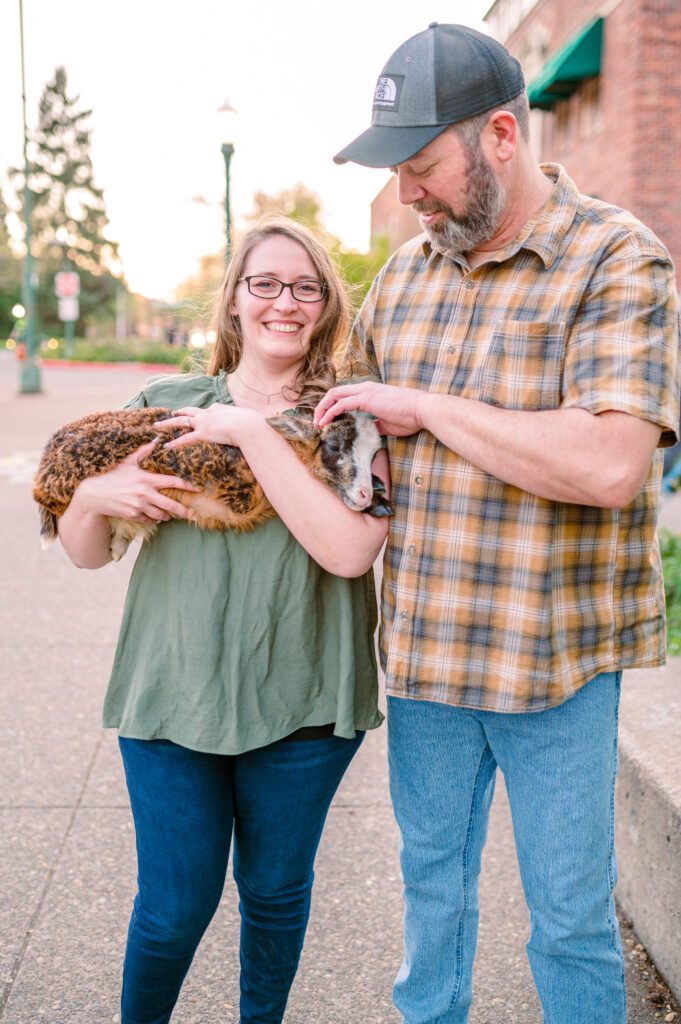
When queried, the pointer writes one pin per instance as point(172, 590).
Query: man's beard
point(462, 232)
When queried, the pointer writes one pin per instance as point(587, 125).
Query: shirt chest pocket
point(523, 366)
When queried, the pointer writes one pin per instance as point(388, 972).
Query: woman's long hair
point(317, 373)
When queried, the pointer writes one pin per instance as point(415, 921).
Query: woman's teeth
point(283, 328)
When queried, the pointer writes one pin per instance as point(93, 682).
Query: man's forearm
point(564, 455)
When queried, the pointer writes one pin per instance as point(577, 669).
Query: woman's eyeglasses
point(309, 290)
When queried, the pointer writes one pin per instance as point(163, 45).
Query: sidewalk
point(66, 841)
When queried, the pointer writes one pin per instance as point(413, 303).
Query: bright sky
point(301, 77)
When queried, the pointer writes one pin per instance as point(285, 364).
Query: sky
point(300, 76)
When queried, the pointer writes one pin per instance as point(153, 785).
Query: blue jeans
point(185, 805)
point(559, 766)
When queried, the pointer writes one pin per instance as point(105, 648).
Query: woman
point(244, 677)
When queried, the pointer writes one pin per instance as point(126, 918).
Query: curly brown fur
point(229, 496)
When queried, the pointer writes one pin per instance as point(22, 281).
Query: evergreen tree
point(10, 275)
point(69, 217)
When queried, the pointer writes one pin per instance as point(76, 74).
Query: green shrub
point(670, 547)
point(132, 350)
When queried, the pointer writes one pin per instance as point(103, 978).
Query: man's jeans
point(185, 804)
point(559, 766)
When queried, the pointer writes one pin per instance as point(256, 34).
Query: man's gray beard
point(460, 233)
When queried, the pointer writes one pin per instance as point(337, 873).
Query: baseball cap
point(436, 78)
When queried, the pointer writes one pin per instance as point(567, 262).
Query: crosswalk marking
point(19, 467)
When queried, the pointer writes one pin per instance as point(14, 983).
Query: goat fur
point(229, 497)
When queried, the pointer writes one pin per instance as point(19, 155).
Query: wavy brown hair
point(317, 374)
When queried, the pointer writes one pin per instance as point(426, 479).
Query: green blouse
point(232, 641)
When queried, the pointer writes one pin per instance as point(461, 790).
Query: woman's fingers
point(184, 439)
point(181, 418)
point(164, 480)
point(140, 453)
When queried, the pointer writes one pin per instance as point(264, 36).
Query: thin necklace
point(265, 394)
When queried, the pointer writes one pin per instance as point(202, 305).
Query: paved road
point(66, 842)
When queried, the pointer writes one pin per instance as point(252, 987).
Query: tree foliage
point(197, 295)
point(302, 204)
point(69, 217)
point(299, 203)
point(10, 275)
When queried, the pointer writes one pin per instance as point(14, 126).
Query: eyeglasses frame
point(284, 284)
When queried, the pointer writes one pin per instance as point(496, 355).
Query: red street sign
point(66, 284)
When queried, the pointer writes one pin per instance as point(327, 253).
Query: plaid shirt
point(494, 598)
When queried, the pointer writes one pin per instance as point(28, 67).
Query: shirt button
point(450, 348)
point(412, 549)
point(418, 480)
point(404, 615)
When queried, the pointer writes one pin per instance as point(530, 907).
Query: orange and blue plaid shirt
point(494, 598)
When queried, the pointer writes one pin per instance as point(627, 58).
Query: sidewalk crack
point(6, 990)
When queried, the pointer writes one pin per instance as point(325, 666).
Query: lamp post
point(30, 379)
point(227, 153)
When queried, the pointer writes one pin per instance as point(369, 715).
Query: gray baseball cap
point(438, 77)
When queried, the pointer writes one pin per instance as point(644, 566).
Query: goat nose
point(364, 493)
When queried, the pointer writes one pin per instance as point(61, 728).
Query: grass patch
point(670, 548)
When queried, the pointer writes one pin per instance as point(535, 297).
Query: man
point(523, 356)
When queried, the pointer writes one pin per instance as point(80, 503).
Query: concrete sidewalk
point(67, 863)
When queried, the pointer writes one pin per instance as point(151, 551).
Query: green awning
point(580, 58)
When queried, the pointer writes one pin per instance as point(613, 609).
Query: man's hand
point(398, 411)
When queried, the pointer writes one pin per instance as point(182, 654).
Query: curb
point(648, 813)
point(74, 364)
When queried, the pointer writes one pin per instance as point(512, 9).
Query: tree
point(197, 295)
point(302, 204)
point(10, 275)
point(69, 217)
point(299, 203)
point(360, 268)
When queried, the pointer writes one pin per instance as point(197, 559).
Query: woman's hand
point(128, 492)
point(221, 424)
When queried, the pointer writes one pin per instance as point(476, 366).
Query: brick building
point(605, 88)
point(390, 219)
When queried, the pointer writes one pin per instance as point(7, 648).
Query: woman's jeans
point(185, 805)
point(559, 767)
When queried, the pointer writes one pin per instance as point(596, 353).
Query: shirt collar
point(544, 232)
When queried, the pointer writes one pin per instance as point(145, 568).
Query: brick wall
point(618, 136)
point(390, 219)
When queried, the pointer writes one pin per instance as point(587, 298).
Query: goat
point(340, 455)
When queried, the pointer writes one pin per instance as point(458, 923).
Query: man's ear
point(504, 127)
point(294, 428)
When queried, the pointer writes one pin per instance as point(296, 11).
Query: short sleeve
point(138, 402)
point(623, 352)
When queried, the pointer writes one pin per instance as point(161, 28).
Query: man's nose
point(408, 188)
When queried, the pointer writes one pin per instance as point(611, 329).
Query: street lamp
point(227, 152)
point(30, 382)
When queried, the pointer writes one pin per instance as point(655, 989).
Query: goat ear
point(294, 427)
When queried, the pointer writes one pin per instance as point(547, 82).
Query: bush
point(132, 350)
point(670, 547)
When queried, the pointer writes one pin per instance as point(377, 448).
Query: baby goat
point(340, 455)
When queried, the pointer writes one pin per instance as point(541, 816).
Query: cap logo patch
point(388, 89)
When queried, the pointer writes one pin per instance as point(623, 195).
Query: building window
point(563, 124)
point(591, 117)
